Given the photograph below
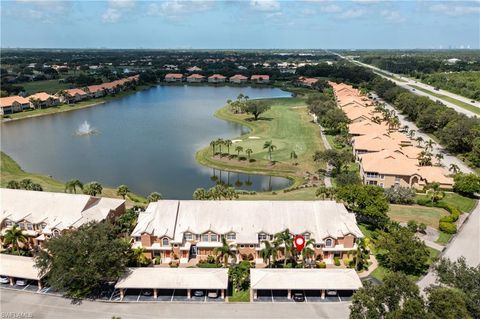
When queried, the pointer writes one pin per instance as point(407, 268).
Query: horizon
point(241, 25)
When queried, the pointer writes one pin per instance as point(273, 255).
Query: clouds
point(116, 9)
point(392, 16)
point(176, 8)
point(331, 8)
point(45, 11)
point(353, 13)
point(265, 5)
point(456, 9)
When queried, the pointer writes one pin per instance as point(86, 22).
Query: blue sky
point(240, 24)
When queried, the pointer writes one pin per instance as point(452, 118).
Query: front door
point(193, 251)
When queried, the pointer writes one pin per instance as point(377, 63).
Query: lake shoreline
point(73, 107)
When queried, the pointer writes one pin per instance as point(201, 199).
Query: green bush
point(336, 260)
point(321, 264)
point(448, 228)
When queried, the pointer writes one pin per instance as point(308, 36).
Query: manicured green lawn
point(300, 194)
point(427, 215)
point(288, 125)
point(443, 238)
point(461, 104)
point(240, 296)
point(10, 170)
point(49, 86)
point(465, 204)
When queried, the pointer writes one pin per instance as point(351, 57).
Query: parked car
point(472, 101)
point(331, 292)
point(21, 282)
point(413, 89)
point(147, 292)
point(4, 280)
point(212, 294)
point(298, 297)
point(198, 293)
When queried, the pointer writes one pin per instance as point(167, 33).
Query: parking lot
point(310, 296)
point(165, 295)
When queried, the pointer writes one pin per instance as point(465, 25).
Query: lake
point(147, 141)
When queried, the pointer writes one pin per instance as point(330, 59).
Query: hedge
point(448, 228)
point(446, 223)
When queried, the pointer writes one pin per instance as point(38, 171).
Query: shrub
point(336, 260)
point(173, 264)
point(347, 178)
point(467, 184)
point(447, 227)
point(422, 228)
point(321, 264)
point(412, 225)
point(157, 260)
point(211, 259)
point(400, 195)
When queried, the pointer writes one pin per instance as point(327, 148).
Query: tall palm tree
point(429, 145)
point(220, 142)
point(411, 134)
point(361, 255)
point(71, 186)
point(454, 168)
point(269, 253)
point(435, 193)
point(225, 252)
point(307, 252)
point(228, 143)
point(439, 158)
point(270, 147)
point(14, 236)
point(419, 140)
point(249, 152)
point(286, 239)
point(238, 149)
point(213, 144)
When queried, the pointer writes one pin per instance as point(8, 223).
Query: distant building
point(13, 104)
point(216, 78)
point(174, 77)
point(194, 69)
point(73, 96)
point(95, 91)
point(238, 78)
point(260, 79)
point(195, 78)
point(307, 82)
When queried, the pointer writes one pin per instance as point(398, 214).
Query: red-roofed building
point(95, 91)
point(72, 96)
point(216, 78)
point(42, 100)
point(238, 78)
point(308, 82)
point(260, 78)
point(195, 78)
point(174, 77)
point(12, 104)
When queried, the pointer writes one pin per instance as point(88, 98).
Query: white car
point(198, 293)
point(331, 292)
point(4, 280)
point(21, 282)
point(212, 294)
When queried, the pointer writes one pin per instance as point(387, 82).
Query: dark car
point(298, 297)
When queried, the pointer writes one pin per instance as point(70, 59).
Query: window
point(231, 236)
point(251, 246)
point(306, 236)
point(205, 237)
point(188, 236)
point(156, 253)
point(318, 246)
point(242, 246)
point(30, 226)
point(165, 242)
point(372, 182)
point(138, 238)
point(262, 236)
point(213, 237)
point(8, 223)
point(55, 232)
point(197, 237)
point(328, 243)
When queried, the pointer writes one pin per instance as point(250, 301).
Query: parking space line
point(26, 287)
point(173, 294)
point(339, 299)
point(271, 291)
point(113, 292)
point(47, 290)
point(139, 294)
point(305, 294)
point(205, 300)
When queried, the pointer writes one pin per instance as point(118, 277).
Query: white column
point(223, 293)
point(155, 293)
point(323, 294)
point(122, 293)
point(289, 296)
point(12, 282)
point(189, 293)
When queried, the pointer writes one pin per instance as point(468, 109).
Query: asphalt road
point(408, 82)
point(35, 306)
point(466, 243)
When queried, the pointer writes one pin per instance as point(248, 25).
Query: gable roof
point(42, 96)
point(9, 100)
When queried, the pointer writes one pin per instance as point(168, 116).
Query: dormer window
point(213, 237)
point(205, 237)
point(188, 236)
point(329, 242)
point(165, 242)
point(231, 236)
point(306, 236)
point(262, 236)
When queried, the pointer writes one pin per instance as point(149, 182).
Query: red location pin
point(299, 242)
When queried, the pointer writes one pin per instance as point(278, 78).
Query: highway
point(407, 83)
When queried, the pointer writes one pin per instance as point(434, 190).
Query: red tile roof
point(217, 76)
point(238, 77)
point(195, 76)
point(260, 77)
point(8, 101)
point(174, 76)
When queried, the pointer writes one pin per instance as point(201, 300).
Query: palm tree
point(270, 147)
point(429, 145)
point(405, 128)
point(377, 119)
point(425, 158)
point(411, 134)
point(14, 236)
point(139, 257)
point(225, 252)
point(154, 197)
point(92, 189)
point(72, 185)
point(220, 142)
point(439, 158)
point(200, 194)
point(269, 253)
point(249, 152)
point(307, 252)
point(419, 140)
point(435, 193)
point(239, 149)
point(361, 255)
point(122, 190)
point(454, 168)
point(393, 123)
point(325, 192)
point(286, 239)
point(213, 144)
point(228, 143)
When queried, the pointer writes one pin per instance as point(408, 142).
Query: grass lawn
point(72, 107)
point(421, 214)
point(240, 296)
point(465, 204)
point(443, 238)
point(461, 104)
point(49, 86)
point(288, 125)
point(10, 170)
point(300, 194)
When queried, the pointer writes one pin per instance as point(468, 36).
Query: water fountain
point(85, 129)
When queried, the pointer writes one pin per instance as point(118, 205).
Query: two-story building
point(186, 229)
point(195, 78)
point(174, 77)
point(260, 79)
point(42, 215)
point(13, 104)
point(43, 100)
point(216, 78)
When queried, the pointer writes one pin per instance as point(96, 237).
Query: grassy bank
point(461, 104)
point(10, 170)
point(288, 125)
point(427, 215)
point(72, 107)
